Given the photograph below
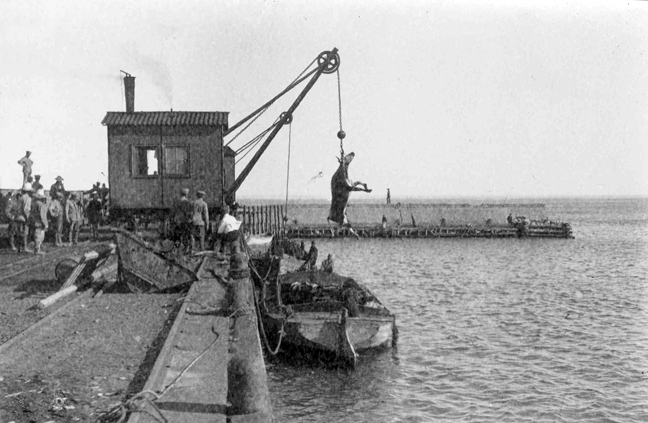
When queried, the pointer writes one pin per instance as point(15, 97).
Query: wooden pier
point(211, 366)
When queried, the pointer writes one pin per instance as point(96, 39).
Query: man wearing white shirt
point(228, 228)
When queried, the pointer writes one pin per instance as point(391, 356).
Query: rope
point(120, 412)
point(288, 165)
point(340, 114)
point(266, 342)
point(290, 87)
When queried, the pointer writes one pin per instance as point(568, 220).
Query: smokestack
point(129, 91)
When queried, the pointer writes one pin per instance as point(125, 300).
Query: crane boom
point(328, 63)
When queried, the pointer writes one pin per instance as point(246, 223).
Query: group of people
point(190, 220)
point(310, 259)
point(30, 214)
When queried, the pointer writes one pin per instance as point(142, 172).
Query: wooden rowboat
point(324, 312)
point(144, 269)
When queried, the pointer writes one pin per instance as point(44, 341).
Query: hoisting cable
point(288, 171)
point(248, 146)
point(265, 107)
point(341, 134)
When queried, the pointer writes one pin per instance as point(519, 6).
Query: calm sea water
point(495, 330)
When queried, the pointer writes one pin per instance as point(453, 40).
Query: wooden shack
point(153, 155)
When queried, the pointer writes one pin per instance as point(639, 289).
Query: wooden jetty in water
point(463, 221)
point(562, 230)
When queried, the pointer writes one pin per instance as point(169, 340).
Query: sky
point(439, 98)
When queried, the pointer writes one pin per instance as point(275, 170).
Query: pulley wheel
point(289, 118)
point(332, 65)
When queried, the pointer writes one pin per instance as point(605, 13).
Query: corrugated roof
point(166, 118)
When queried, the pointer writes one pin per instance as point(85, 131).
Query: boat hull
point(336, 333)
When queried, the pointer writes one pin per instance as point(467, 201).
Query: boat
point(320, 311)
point(146, 269)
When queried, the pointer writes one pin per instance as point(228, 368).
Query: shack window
point(176, 161)
point(145, 160)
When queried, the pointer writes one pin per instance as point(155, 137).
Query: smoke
point(157, 71)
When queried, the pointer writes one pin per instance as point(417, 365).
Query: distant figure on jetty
point(443, 222)
point(509, 219)
point(311, 258)
point(26, 164)
point(413, 221)
point(388, 196)
point(384, 222)
point(327, 265)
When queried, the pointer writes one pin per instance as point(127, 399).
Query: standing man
point(200, 219)
point(36, 185)
point(12, 209)
point(105, 192)
point(228, 229)
point(73, 217)
point(26, 164)
point(181, 218)
point(56, 212)
point(388, 196)
point(24, 210)
point(311, 258)
point(39, 220)
point(94, 214)
point(57, 187)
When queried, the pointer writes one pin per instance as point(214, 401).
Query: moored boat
point(320, 311)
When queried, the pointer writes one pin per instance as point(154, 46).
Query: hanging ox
point(341, 187)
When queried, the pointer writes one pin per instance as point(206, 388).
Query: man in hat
point(228, 229)
point(73, 217)
point(57, 187)
point(181, 218)
point(94, 214)
point(38, 219)
point(26, 164)
point(56, 213)
point(104, 192)
point(311, 258)
point(12, 209)
point(200, 219)
point(21, 219)
point(36, 185)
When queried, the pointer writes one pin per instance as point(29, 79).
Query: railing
point(267, 219)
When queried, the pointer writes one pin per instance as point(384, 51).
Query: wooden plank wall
point(264, 219)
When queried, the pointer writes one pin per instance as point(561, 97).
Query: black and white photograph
point(353, 211)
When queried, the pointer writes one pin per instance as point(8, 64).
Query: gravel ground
point(80, 362)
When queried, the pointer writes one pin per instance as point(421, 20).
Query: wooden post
point(246, 376)
point(243, 220)
point(267, 219)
